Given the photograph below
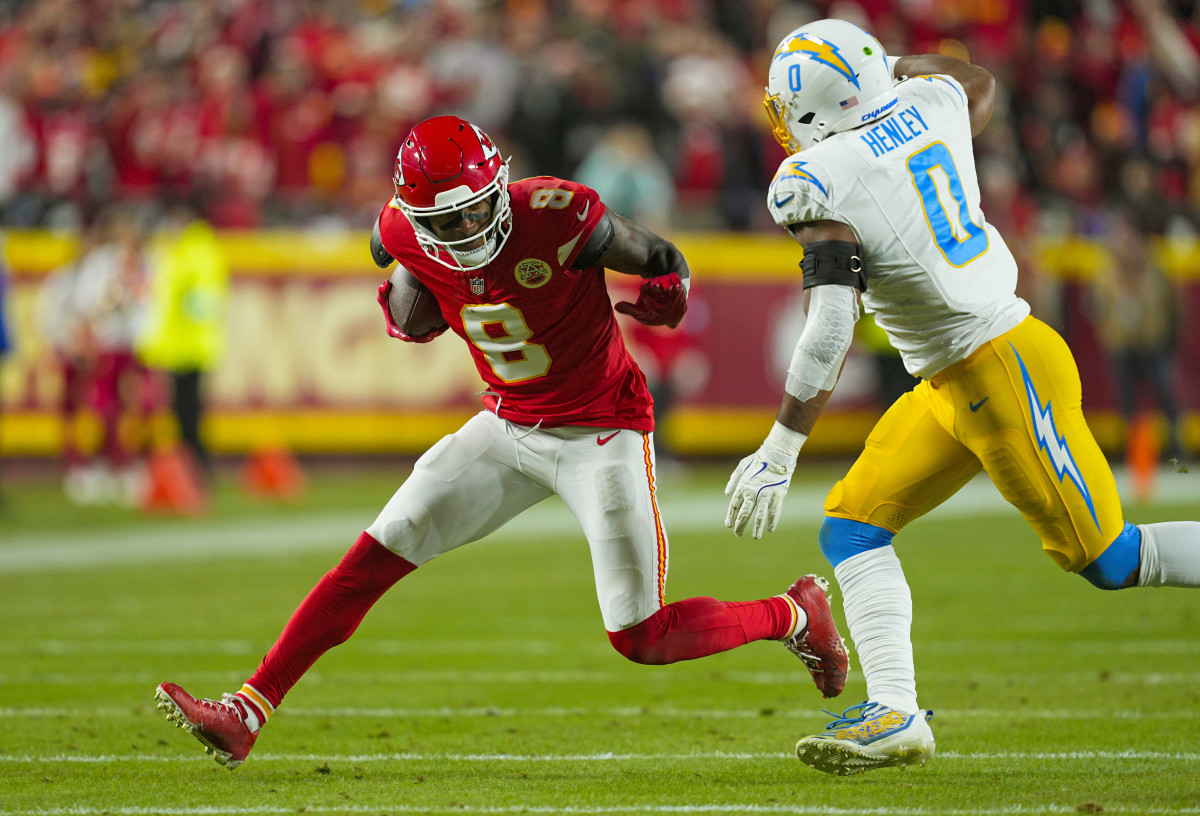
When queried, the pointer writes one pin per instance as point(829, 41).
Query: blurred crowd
point(270, 114)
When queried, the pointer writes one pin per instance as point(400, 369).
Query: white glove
point(761, 480)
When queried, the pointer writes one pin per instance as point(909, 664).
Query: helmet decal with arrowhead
point(489, 148)
point(822, 76)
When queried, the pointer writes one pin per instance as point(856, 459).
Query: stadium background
point(281, 122)
point(485, 684)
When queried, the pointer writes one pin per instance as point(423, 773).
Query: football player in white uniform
point(881, 191)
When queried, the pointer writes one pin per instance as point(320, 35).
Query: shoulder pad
point(799, 192)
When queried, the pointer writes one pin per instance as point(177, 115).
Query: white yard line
point(619, 712)
point(723, 756)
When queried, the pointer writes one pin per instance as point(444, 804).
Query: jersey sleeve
point(941, 87)
point(801, 191)
point(393, 226)
point(566, 212)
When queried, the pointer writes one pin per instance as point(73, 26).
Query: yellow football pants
point(1012, 408)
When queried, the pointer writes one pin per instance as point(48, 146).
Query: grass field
point(484, 683)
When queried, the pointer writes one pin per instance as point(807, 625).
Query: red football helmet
point(444, 165)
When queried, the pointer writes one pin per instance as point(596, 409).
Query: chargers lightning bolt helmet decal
point(820, 50)
point(1049, 440)
point(826, 77)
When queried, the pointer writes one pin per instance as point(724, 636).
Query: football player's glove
point(662, 301)
point(761, 480)
point(393, 330)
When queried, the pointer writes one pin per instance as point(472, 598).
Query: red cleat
point(219, 724)
point(818, 644)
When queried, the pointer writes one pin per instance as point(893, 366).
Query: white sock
point(258, 709)
point(878, 609)
point(1170, 554)
point(252, 722)
point(799, 618)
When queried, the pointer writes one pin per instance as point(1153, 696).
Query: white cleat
point(869, 736)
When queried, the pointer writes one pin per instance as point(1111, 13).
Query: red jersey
point(543, 335)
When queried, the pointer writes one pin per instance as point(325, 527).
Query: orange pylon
point(1141, 454)
point(173, 487)
point(273, 473)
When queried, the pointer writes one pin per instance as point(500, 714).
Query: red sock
point(329, 615)
point(699, 627)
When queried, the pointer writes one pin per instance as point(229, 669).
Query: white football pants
point(473, 481)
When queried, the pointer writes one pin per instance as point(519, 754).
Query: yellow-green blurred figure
point(185, 330)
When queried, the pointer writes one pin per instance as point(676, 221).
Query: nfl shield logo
point(477, 286)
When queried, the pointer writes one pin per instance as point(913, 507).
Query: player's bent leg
point(869, 736)
point(463, 488)
point(1035, 443)
point(698, 627)
point(327, 617)
point(611, 490)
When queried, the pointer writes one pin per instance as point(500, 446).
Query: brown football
point(413, 307)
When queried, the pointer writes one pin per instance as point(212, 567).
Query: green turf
point(484, 683)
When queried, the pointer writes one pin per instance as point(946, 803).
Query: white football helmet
point(826, 77)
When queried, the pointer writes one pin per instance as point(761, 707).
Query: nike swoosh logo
point(586, 205)
point(600, 440)
point(975, 406)
point(780, 203)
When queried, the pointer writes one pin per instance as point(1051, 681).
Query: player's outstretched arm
point(634, 250)
point(761, 480)
point(978, 82)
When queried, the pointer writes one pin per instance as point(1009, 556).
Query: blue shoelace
point(846, 718)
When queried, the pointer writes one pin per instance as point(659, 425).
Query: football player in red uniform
point(518, 272)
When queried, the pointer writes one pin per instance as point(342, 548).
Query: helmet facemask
point(455, 254)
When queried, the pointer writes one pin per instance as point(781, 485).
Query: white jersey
point(940, 279)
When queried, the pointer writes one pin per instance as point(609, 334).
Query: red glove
point(662, 301)
point(385, 289)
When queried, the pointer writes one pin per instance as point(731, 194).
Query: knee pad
point(1114, 566)
point(842, 538)
point(408, 531)
point(612, 489)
